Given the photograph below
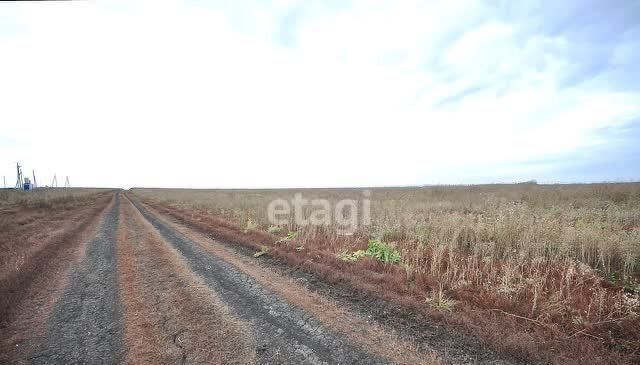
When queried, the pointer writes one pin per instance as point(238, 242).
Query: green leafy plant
point(377, 249)
point(383, 252)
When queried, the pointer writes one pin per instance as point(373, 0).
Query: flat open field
point(496, 274)
point(541, 272)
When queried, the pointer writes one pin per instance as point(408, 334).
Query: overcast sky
point(281, 94)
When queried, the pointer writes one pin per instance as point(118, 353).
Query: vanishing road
point(148, 289)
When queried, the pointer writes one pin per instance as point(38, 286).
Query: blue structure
point(27, 184)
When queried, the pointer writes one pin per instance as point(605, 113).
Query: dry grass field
point(40, 237)
point(545, 272)
point(44, 197)
point(29, 220)
point(96, 277)
point(521, 273)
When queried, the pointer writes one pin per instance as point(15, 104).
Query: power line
point(20, 179)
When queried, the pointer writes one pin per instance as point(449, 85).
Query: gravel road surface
point(88, 323)
point(85, 327)
point(284, 334)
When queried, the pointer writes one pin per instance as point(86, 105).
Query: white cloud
point(171, 94)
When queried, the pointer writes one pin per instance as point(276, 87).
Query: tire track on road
point(54, 244)
point(284, 334)
point(406, 339)
point(85, 326)
point(170, 315)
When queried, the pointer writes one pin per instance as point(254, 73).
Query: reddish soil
point(38, 246)
point(107, 279)
point(170, 316)
point(368, 279)
point(284, 333)
point(369, 335)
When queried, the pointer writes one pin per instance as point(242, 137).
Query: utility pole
point(54, 183)
point(20, 180)
point(4, 181)
point(66, 182)
point(35, 184)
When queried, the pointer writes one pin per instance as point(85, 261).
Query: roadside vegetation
point(43, 197)
point(40, 234)
point(546, 272)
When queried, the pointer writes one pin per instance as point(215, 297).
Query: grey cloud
point(580, 37)
point(618, 158)
point(589, 62)
point(592, 20)
point(591, 31)
point(626, 133)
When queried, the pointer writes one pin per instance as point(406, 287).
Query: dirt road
point(149, 289)
point(85, 324)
